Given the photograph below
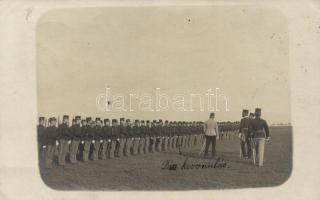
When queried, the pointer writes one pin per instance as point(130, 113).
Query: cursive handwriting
point(185, 165)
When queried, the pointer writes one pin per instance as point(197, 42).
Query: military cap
point(257, 111)
point(88, 119)
point(106, 120)
point(142, 121)
point(148, 121)
point(78, 117)
point(136, 120)
point(97, 119)
point(41, 119)
point(121, 119)
point(154, 121)
point(65, 117)
point(114, 120)
point(245, 111)
point(52, 119)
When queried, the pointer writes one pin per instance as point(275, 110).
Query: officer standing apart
point(211, 131)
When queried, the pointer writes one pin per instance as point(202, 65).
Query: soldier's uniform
point(121, 139)
point(106, 130)
point(41, 135)
point(51, 142)
point(259, 130)
point(146, 132)
point(129, 139)
point(86, 140)
point(76, 137)
point(153, 136)
point(97, 139)
point(64, 139)
point(142, 135)
point(244, 134)
point(115, 135)
point(174, 134)
point(166, 133)
point(158, 134)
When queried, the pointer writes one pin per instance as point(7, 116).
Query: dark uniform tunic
point(76, 132)
point(51, 135)
point(41, 134)
point(107, 133)
point(64, 132)
point(91, 133)
point(136, 131)
point(115, 132)
point(258, 128)
point(84, 133)
point(98, 133)
point(122, 132)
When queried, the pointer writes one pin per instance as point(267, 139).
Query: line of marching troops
point(88, 139)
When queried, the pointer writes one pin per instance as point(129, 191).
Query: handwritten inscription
point(187, 165)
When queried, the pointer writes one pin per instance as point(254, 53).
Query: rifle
point(45, 122)
point(58, 120)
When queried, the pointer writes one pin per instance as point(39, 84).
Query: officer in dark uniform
point(244, 134)
point(259, 130)
point(76, 137)
point(64, 139)
point(50, 141)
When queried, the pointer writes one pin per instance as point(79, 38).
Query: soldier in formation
point(90, 140)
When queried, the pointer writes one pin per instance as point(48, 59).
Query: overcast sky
point(241, 50)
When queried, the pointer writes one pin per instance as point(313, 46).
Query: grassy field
point(149, 172)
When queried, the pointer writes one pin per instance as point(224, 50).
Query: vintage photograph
point(163, 98)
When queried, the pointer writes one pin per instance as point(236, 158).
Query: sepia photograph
point(163, 98)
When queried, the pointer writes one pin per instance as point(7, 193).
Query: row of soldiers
point(97, 139)
point(228, 130)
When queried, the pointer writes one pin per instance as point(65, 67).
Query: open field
point(148, 172)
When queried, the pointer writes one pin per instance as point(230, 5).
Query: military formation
point(88, 139)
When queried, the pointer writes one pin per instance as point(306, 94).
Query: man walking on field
point(259, 130)
point(211, 131)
